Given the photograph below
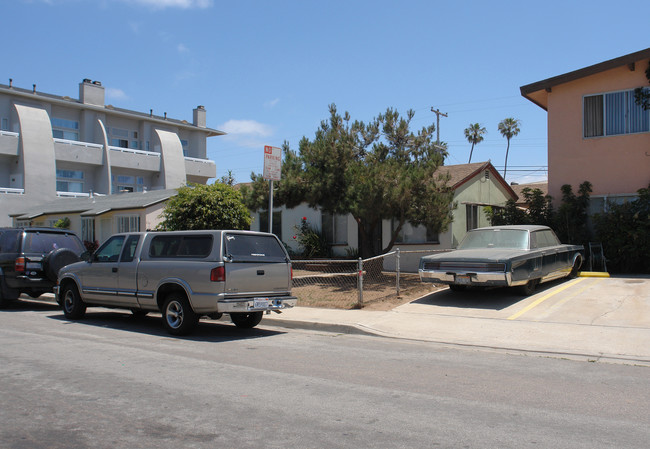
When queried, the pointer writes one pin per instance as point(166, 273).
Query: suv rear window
point(9, 241)
point(42, 242)
point(260, 248)
point(181, 246)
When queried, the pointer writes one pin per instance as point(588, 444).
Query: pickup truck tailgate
point(256, 265)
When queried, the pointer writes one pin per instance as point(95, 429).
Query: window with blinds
point(613, 114)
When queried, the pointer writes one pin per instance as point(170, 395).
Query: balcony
point(135, 159)
point(200, 170)
point(9, 143)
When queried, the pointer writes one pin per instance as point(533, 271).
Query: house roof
point(462, 173)
point(528, 90)
point(519, 188)
point(97, 205)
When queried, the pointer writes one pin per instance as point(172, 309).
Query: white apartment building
point(53, 147)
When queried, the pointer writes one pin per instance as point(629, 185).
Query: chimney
point(199, 117)
point(91, 92)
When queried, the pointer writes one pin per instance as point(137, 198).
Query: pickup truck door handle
point(260, 272)
point(114, 269)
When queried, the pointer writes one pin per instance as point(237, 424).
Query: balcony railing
point(129, 150)
point(9, 133)
point(195, 159)
point(72, 194)
point(11, 190)
point(78, 143)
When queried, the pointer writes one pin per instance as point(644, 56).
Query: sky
point(266, 71)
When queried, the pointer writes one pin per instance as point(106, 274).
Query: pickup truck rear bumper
point(260, 304)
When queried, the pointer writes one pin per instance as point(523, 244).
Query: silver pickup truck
point(184, 275)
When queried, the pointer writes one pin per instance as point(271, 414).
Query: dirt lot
point(340, 291)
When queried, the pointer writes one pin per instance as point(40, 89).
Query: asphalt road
point(113, 381)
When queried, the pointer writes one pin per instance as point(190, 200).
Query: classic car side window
point(110, 250)
point(551, 238)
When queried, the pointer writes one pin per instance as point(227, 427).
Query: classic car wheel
point(178, 316)
point(575, 270)
point(457, 288)
point(73, 307)
point(246, 320)
point(528, 288)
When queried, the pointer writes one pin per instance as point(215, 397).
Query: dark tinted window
point(43, 242)
point(9, 241)
point(128, 253)
point(179, 245)
point(242, 247)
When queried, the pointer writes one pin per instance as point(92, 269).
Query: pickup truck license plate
point(463, 280)
point(260, 303)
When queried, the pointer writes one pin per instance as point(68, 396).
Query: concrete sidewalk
point(420, 321)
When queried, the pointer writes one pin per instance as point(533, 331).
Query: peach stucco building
point(596, 131)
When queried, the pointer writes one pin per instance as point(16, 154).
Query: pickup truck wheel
point(73, 307)
point(178, 316)
point(246, 320)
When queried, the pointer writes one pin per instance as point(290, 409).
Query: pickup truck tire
point(73, 307)
point(178, 316)
point(246, 320)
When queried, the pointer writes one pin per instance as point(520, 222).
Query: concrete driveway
point(587, 318)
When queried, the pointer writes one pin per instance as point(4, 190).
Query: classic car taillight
point(20, 264)
point(218, 274)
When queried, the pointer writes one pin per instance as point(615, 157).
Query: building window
point(613, 114)
point(5, 124)
point(185, 146)
point(88, 229)
point(65, 129)
point(125, 184)
point(277, 223)
point(335, 228)
point(123, 138)
point(414, 234)
point(128, 223)
point(471, 211)
point(69, 181)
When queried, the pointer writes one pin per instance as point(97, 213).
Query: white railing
point(78, 143)
point(195, 159)
point(11, 190)
point(129, 150)
point(72, 194)
point(9, 133)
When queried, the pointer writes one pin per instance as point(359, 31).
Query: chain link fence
point(348, 284)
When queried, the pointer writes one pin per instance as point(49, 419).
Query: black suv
point(30, 260)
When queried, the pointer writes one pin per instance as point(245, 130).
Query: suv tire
point(57, 259)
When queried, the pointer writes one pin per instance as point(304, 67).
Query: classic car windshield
point(495, 238)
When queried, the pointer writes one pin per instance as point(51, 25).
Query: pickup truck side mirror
point(85, 256)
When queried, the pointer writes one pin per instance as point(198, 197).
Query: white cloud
point(182, 4)
point(246, 128)
point(272, 103)
point(116, 94)
point(182, 48)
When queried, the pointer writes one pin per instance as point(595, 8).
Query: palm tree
point(474, 134)
point(508, 127)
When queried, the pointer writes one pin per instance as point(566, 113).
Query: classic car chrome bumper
point(260, 304)
point(484, 279)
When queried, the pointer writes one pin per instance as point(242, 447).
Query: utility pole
point(438, 114)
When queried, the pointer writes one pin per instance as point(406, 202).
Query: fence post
point(397, 280)
point(360, 282)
